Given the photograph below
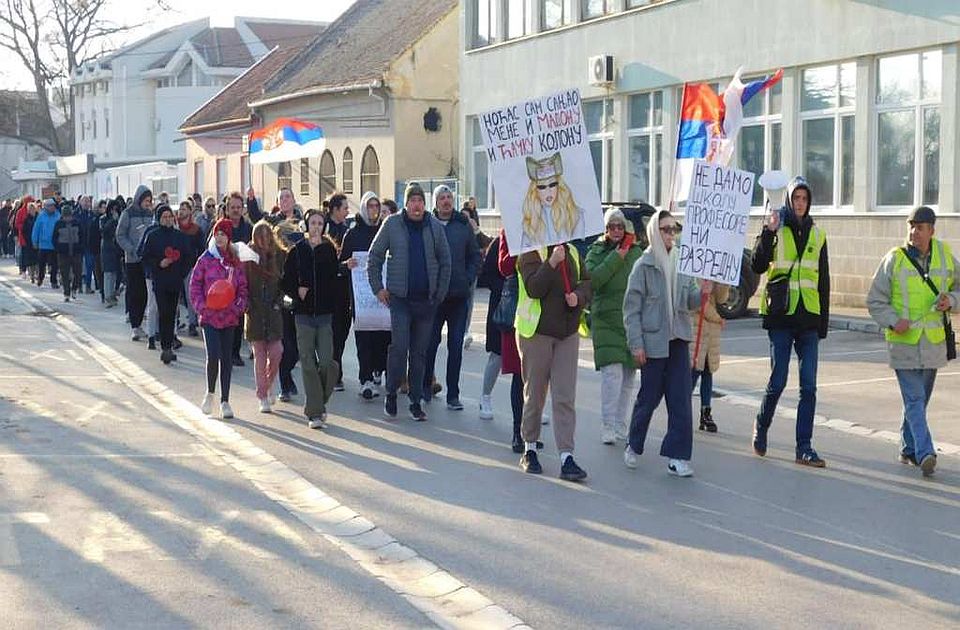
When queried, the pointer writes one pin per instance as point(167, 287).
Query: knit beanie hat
point(413, 190)
point(223, 225)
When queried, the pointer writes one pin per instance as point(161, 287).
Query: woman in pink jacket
point(219, 262)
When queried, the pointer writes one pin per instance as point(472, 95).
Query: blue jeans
point(88, 265)
point(452, 312)
point(668, 377)
point(807, 344)
point(916, 386)
point(706, 385)
point(410, 324)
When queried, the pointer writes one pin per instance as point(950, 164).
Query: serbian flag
point(701, 120)
point(286, 139)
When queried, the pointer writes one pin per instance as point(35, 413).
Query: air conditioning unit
point(600, 71)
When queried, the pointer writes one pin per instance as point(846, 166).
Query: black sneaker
point(571, 472)
point(759, 439)
point(417, 412)
point(390, 405)
point(810, 458)
point(152, 343)
point(455, 405)
point(339, 387)
point(530, 463)
point(177, 344)
point(192, 331)
point(238, 362)
point(517, 444)
point(166, 356)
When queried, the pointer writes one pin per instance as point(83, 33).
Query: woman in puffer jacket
point(219, 262)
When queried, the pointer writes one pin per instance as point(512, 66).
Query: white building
point(867, 109)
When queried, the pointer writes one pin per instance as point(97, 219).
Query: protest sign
point(543, 172)
point(368, 312)
point(715, 223)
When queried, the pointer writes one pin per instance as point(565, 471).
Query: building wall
point(172, 106)
point(658, 47)
point(11, 152)
point(208, 150)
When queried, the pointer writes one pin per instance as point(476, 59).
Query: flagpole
point(671, 206)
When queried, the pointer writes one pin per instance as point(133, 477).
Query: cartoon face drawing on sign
point(550, 213)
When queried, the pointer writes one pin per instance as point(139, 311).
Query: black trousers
point(291, 353)
point(71, 268)
point(167, 314)
point(372, 348)
point(219, 344)
point(342, 320)
point(47, 257)
point(136, 293)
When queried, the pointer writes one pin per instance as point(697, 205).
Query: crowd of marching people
point(228, 270)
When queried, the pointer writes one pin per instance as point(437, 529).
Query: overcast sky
point(221, 13)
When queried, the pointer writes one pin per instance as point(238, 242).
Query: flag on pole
point(286, 139)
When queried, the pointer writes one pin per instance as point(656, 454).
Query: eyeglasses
point(210, 206)
point(673, 229)
point(545, 186)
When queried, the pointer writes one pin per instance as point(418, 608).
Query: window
point(93, 123)
point(759, 145)
point(553, 13)
point(185, 76)
point(221, 177)
point(328, 175)
point(632, 4)
point(203, 80)
point(518, 18)
point(348, 171)
point(83, 127)
point(244, 173)
point(480, 183)
point(370, 171)
point(590, 9)
point(645, 146)
point(488, 22)
point(599, 116)
point(106, 87)
point(106, 123)
point(908, 129)
point(827, 103)
point(284, 175)
point(304, 177)
point(198, 177)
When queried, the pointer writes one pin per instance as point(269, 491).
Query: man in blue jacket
point(453, 311)
point(42, 238)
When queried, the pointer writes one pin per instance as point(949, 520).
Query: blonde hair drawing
point(547, 187)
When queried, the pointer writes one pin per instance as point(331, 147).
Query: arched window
point(348, 171)
point(370, 171)
point(328, 175)
point(284, 175)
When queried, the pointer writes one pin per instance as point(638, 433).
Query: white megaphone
point(775, 184)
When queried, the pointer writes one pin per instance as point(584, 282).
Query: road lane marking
point(446, 601)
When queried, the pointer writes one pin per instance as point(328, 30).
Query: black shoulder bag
point(778, 290)
point(951, 339)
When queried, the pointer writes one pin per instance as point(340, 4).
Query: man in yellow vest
point(795, 305)
point(912, 290)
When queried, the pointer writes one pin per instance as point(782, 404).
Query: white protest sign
point(543, 173)
point(715, 223)
point(368, 312)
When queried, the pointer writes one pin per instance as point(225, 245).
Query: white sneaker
point(137, 334)
point(317, 422)
point(265, 405)
point(680, 468)
point(366, 391)
point(272, 398)
point(607, 436)
point(377, 378)
point(629, 457)
point(207, 405)
point(486, 407)
point(225, 411)
point(467, 341)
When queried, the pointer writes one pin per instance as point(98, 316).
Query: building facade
point(866, 111)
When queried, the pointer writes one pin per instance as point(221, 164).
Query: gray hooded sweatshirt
point(134, 221)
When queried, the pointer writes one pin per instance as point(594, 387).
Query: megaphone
point(775, 184)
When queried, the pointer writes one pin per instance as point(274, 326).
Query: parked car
point(736, 304)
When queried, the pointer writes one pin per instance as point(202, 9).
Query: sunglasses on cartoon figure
point(545, 186)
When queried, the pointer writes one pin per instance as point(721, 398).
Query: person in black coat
point(68, 245)
point(336, 228)
point(372, 345)
point(491, 279)
point(166, 252)
point(111, 257)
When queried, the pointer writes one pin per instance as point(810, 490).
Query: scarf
point(665, 262)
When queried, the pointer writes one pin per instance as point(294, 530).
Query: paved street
point(123, 507)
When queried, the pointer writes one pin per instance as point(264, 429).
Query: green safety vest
point(528, 308)
point(805, 277)
point(912, 299)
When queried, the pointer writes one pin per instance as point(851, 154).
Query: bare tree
point(52, 38)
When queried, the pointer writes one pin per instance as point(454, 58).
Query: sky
point(221, 13)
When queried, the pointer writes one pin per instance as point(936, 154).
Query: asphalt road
point(123, 509)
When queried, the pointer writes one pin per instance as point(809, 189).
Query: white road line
point(445, 600)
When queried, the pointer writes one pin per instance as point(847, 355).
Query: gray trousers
point(548, 362)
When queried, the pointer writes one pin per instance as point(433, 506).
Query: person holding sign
point(550, 214)
point(371, 344)
point(553, 289)
point(656, 316)
point(913, 292)
point(610, 260)
point(795, 305)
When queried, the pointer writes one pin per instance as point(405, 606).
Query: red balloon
point(220, 294)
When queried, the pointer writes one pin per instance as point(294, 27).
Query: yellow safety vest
point(805, 277)
point(912, 299)
point(529, 309)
